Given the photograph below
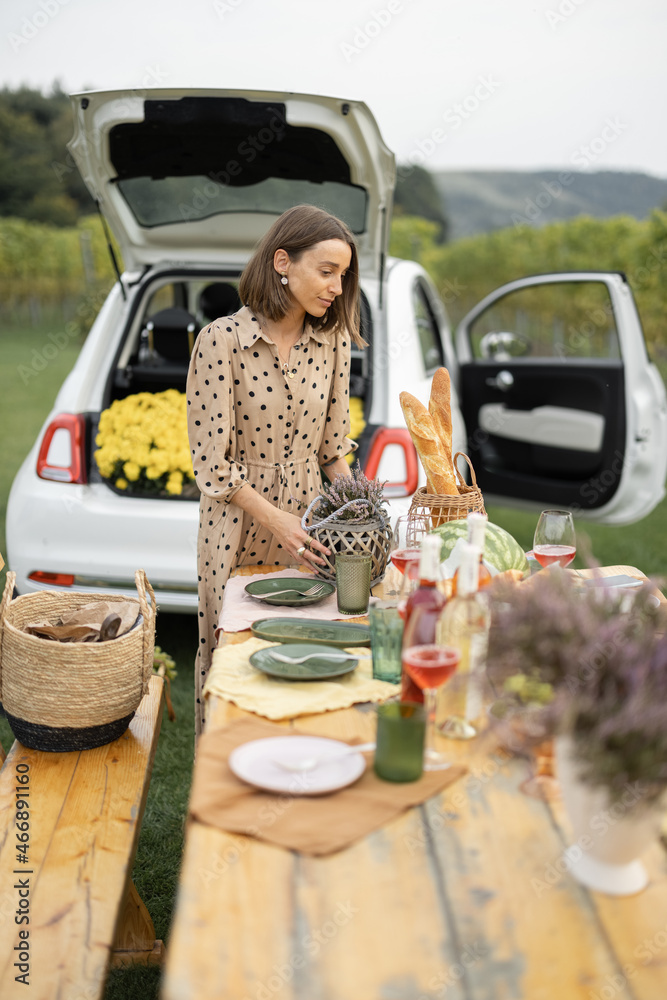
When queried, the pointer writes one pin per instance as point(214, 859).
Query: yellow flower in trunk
point(175, 483)
point(357, 423)
point(132, 470)
point(142, 444)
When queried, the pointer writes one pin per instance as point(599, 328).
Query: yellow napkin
point(233, 677)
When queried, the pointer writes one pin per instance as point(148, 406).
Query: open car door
point(561, 404)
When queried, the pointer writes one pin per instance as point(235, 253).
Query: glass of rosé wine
point(406, 539)
point(431, 666)
point(555, 540)
point(405, 554)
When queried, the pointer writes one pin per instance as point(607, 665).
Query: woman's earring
point(283, 279)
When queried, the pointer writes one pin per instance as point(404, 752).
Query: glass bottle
point(476, 533)
point(422, 609)
point(464, 624)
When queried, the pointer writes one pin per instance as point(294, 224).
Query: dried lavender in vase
point(605, 665)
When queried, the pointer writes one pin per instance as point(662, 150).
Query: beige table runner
point(233, 677)
point(313, 825)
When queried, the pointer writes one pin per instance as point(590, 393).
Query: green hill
point(478, 201)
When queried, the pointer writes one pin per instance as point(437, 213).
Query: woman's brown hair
point(297, 230)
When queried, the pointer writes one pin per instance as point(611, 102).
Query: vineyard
point(467, 270)
point(50, 272)
point(66, 272)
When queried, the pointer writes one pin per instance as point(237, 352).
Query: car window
point(169, 200)
point(428, 330)
point(163, 298)
point(568, 319)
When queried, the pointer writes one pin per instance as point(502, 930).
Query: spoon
point(309, 763)
point(337, 657)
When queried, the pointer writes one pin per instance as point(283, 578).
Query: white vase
point(609, 838)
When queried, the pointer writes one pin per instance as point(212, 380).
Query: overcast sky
point(477, 84)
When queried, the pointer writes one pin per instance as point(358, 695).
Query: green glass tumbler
point(386, 641)
point(353, 583)
point(399, 750)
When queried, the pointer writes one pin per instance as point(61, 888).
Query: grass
point(29, 381)
point(26, 396)
point(643, 544)
point(27, 393)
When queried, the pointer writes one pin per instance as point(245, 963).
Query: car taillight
point(383, 447)
point(62, 452)
point(54, 579)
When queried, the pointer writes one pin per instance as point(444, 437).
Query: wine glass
point(430, 667)
point(405, 552)
point(555, 540)
point(542, 782)
point(523, 730)
point(406, 538)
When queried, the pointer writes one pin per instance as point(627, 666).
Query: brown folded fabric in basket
point(86, 624)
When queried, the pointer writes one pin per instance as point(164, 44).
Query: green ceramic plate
point(319, 667)
point(298, 630)
point(263, 590)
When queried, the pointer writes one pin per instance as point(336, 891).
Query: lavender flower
point(356, 487)
point(607, 667)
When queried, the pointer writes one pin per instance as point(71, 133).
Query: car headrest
point(172, 333)
point(219, 299)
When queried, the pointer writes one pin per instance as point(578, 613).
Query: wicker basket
point(373, 537)
point(441, 509)
point(76, 695)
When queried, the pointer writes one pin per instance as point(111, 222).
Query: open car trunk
point(199, 175)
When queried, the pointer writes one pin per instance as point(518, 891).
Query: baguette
point(440, 408)
point(440, 480)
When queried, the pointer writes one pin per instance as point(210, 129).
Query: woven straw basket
point(441, 509)
point(371, 537)
point(62, 696)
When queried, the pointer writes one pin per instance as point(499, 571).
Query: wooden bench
point(85, 812)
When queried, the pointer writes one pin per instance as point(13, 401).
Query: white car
point(554, 398)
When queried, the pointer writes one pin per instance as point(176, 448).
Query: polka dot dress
point(250, 423)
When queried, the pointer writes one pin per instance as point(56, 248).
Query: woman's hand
point(287, 530)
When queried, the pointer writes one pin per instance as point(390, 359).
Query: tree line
point(35, 181)
point(52, 247)
point(38, 182)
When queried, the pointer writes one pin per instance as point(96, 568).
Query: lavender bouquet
point(364, 496)
point(605, 665)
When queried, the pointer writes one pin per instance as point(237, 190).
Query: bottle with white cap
point(464, 624)
point(476, 534)
point(422, 609)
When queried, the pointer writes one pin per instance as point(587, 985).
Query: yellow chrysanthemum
point(121, 484)
point(175, 483)
point(357, 423)
point(132, 471)
point(145, 437)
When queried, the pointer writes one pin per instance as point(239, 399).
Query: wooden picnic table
point(463, 897)
point(68, 899)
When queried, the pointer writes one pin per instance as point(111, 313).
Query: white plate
point(253, 762)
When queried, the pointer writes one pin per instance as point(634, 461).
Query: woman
point(268, 405)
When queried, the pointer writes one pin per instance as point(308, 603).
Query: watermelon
point(501, 550)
